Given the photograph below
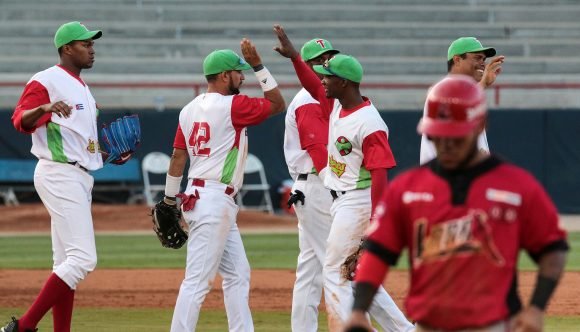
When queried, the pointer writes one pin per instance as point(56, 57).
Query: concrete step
point(260, 3)
point(372, 64)
point(289, 12)
point(200, 47)
point(373, 30)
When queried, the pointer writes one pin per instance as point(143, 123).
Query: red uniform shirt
point(464, 231)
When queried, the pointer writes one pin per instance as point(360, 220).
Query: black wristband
point(364, 293)
point(544, 289)
point(258, 67)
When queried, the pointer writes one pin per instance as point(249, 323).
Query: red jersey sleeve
point(179, 141)
point(540, 227)
point(313, 133)
point(387, 223)
point(377, 151)
point(33, 96)
point(313, 85)
point(247, 111)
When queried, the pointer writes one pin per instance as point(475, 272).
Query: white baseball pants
point(351, 214)
point(65, 191)
point(214, 245)
point(314, 223)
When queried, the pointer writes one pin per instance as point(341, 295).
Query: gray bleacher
point(397, 41)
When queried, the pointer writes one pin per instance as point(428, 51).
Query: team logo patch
point(79, 107)
point(91, 146)
point(336, 167)
point(343, 145)
point(467, 235)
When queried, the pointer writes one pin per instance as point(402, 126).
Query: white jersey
point(428, 151)
point(345, 141)
point(217, 149)
point(72, 139)
point(297, 159)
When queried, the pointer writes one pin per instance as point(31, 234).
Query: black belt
point(76, 164)
point(335, 193)
point(303, 177)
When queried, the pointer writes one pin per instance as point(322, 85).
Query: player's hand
point(249, 52)
point(492, 69)
point(59, 108)
point(531, 319)
point(357, 322)
point(285, 48)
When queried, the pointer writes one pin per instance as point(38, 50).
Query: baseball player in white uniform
point(466, 56)
point(212, 135)
point(59, 112)
point(305, 151)
point(358, 151)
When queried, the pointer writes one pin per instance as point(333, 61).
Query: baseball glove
point(348, 268)
point(166, 224)
point(121, 138)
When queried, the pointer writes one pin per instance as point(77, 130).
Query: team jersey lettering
point(200, 136)
point(336, 167)
point(503, 196)
point(467, 235)
point(410, 197)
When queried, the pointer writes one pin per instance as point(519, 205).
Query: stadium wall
point(545, 142)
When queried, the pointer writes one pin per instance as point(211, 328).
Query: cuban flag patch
point(79, 107)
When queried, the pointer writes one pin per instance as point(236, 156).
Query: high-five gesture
point(285, 47)
point(249, 52)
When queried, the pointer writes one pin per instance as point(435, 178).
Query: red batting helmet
point(455, 106)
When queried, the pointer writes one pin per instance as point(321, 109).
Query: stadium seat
point(155, 163)
point(253, 166)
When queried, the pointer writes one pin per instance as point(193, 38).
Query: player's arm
point(266, 80)
point(546, 243)
point(377, 158)
point(313, 134)
point(491, 71)
point(34, 108)
point(177, 163)
point(307, 77)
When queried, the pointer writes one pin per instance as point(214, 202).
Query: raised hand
point(249, 52)
point(491, 71)
point(285, 47)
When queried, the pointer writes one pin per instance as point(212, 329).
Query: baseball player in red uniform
point(466, 56)
point(212, 135)
point(464, 218)
point(59, 112)
point(358, 151)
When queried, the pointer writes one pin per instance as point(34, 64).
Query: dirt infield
point(271, 290)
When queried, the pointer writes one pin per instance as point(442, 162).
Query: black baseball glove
point(166, 224)
point(295, 197)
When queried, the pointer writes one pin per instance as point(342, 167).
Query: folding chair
point(254, 165)
point(155, 163)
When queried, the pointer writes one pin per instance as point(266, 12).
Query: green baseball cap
point(315, 48)
point(343, 66)
point(74, 31)
point(223, 60)
point(468, 45)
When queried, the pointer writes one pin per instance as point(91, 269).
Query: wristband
point(267, 81)
point(544, 289)
point(172, 185)
point(364, 294)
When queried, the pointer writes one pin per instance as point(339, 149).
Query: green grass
point(265, 251)
point(159, 320)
